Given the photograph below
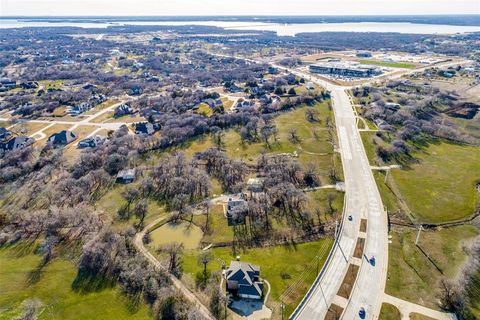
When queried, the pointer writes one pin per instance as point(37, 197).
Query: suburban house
point(91, 142)
point(122, 110)
point(135, 91)
point(29, 85)
point(236, 211)
point(4, 133)
point(17, 143)
point(7, 84)
point(242, 103)
point(63, 137)
point(126, 176)
point(213, 103)
point(309, 86)
point(78, 109)
point(233, 88)
point(255, 184)
point(144, 128)
point(85, 106)
point(243, 280)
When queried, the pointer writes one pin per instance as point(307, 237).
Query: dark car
point(362, 313)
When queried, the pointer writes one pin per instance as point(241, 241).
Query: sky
point(235, 7)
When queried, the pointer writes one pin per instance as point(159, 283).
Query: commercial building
point(344, 69)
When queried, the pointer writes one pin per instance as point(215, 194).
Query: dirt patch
point(334, 312)
point(363, 225)
point(347, 284)
point(358, 253)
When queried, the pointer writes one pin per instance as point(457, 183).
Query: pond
point(184, 232)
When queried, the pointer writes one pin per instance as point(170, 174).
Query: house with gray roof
point(16, 143)
point(4, 133)
point(236, 212)
point(62, 138)
point(126, 176)
point(243, 280)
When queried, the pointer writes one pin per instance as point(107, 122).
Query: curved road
point(138, 242)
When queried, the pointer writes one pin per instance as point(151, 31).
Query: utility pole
point(418, 235)
point(386, 176)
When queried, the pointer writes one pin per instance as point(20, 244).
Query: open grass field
point(412, 276)
point(390, 64)
point(54, 288)
point(442, 186)
point(389, 312)
point(275, 266)
point(187, 234)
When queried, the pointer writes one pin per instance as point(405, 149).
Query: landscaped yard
point(412, 276)
point(54, 290)
point(281, 266)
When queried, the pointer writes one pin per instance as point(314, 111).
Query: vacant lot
point(442, 186)
point(54, 289)
point(412, 276)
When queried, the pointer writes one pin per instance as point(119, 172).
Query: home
point(63, 137)
point(91, 142)
point(236, 211)
point(243, 280)
point(89, 86)
point(122, 110)
point(126, 176)
point(309, 86)
point(78, 109)
point(242, 103)
point(272, 70)
point(16, 143)
point(4, 133)
point(7, 84)
point(135, 91)
point(68, 61)
point(233, 88)
point(29, 85)
point(255, 184)
point(144, 128)
point(214, 103)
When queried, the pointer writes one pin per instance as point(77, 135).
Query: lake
point(280, 29)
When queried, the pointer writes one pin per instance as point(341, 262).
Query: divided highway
point(362, 202)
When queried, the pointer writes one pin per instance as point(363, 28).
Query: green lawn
point(275, 266)
point(187, 234)
point(54, 290)
point(388, 64)
point(389, 312)
point(411, 276)
point(441, 187)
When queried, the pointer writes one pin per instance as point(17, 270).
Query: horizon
point(167, 8)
